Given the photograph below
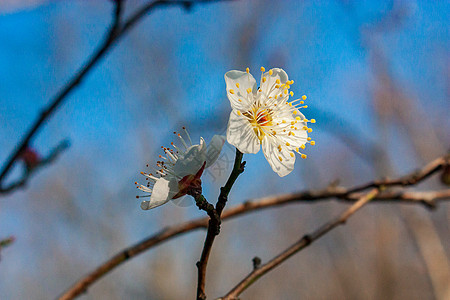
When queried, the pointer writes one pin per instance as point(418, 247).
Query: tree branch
point(305, 241)
point(6, 242)
point(214, 224)
point(341, 194)
point(64, 92)
point(28, 172)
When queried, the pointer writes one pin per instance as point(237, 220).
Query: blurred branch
point(6, 242)
point(28, 171)
point(304, 242)
point(115, 32)
point(250, 206)
point(214, 224)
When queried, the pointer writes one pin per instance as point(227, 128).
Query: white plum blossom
point(265, 116)
point(180, 170)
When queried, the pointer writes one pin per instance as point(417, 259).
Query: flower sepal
point(191, 184)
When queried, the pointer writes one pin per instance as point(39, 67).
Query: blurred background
point(376, 74)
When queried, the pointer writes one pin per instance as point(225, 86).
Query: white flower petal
point(241, 135)
point(191, 161)
point(282, 166)
point(296, 136)
point(268, 84)
point(160, 194)
point(214, 148)
point(238, 83)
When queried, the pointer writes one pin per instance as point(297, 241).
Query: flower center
point(259, 118)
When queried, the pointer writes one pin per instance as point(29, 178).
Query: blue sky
point(168, 72)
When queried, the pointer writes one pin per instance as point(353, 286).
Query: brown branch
point(301, 244)
point(6, 242)
point(58, 99)
point(250, 206)
point(115, 32)
point(28, 172)
point(214, 224)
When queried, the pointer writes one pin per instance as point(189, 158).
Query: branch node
point(256, 262)
point(307, 238)
point(242, 167)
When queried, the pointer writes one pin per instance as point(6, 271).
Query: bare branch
point(61, 95)
point(341, 194)
point(28, 172)
point(214, 224)
point(301, 244)
point(6, 242)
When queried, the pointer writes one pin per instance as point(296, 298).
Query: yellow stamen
point(278, 81)
point(313, 143)
point(313, 120)
point(247, 70)
point(270, 72)
point(264, 79)
point(302, 146)
point(231, 91)
point(291, 93)
point(292, 154)
point(303, 156)
point(237, 84)
point(249, 90)
point(304, 97)
point(309, 130)
point(287, 144)
point(279, 157)
point(262, 69)
point(308, 139)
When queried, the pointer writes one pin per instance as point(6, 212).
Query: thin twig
point(111, 36)
point(6, 242)
point(251, 206)
point(115, 32)
point(301, 244)
point(214, 224)
point(21, 182)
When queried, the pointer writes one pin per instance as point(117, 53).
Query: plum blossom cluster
point(261, 117)
point(266, 117)
point(179, 170)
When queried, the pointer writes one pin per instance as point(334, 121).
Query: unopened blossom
point(179, 171)
point(266, 117)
